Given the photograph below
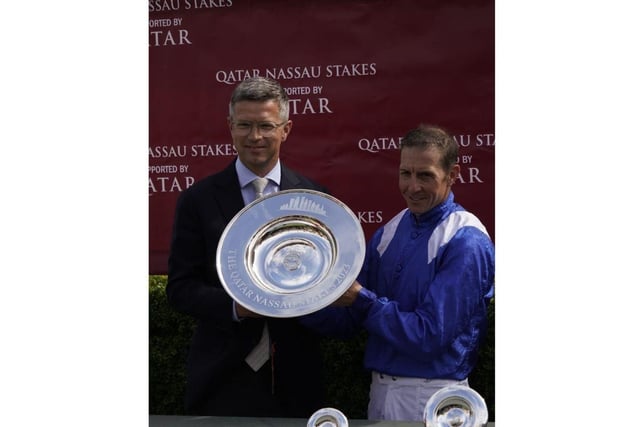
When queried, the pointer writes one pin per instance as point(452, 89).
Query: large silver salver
point(290, 253)
point(328, 417)
point(456, 406)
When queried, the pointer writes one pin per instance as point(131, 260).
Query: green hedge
point(348, 387)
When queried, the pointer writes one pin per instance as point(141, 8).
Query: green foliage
point(169, 336)
point(482, 379)
point(348, 382)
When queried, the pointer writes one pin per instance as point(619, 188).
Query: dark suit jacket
point(219, 344)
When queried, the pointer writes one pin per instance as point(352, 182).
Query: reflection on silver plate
point(456, 406)
point(328, 417)
point(290, 253)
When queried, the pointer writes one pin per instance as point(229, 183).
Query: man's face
point(258, 146)
point(423, 182)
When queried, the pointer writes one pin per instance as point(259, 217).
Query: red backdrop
point(360, 74)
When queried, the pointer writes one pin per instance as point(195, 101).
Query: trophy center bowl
point(291, 254)
point(453, 416)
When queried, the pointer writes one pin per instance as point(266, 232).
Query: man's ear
point(454, 173)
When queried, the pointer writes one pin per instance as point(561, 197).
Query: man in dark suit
point(240, 363)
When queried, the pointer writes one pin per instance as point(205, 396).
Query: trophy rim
point(460, 396)
point(322, 241)
point(328, 416)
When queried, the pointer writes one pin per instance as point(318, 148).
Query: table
point(192, 421)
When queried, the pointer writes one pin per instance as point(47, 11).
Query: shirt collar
point(245, 176)
point(436, 211)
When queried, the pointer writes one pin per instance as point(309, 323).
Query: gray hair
point(260, 89)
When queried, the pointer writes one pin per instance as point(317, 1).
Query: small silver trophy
point(456, 406)
point(328, 417)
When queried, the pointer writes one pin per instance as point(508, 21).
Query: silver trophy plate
point(328, 417)
point(290, 253)
point(456, 406)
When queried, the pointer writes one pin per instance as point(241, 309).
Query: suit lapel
point(288, 180)
point(228, 188)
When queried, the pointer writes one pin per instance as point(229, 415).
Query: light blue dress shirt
point(245, 177)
